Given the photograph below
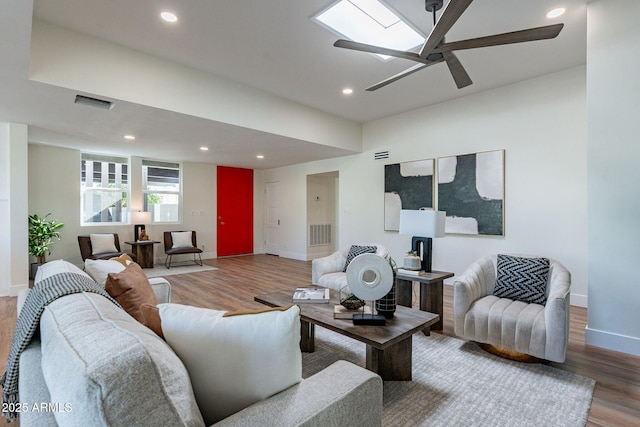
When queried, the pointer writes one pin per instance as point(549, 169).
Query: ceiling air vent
point(381, 155)
point(94, 102)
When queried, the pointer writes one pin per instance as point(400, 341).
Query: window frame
point(146, 162)
point(124, 190)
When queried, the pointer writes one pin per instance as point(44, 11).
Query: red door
point(235, 211)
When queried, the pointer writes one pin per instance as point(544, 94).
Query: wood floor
point(616, 400)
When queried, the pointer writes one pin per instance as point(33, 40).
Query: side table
point(143, 250)
point(431, 292)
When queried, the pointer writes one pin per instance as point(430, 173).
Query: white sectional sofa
point(94, 365)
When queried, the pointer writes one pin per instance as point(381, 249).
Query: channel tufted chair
point(510, 327)
point(329, 271)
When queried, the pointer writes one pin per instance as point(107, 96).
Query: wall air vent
point(94, 102)
point(381, 155)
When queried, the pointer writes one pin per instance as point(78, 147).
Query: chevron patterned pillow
point(356, 250)
point(522, 279)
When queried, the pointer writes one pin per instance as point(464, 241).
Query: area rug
point(160, 270)
point(455, 383)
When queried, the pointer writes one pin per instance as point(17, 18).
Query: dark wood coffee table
point(388, 347)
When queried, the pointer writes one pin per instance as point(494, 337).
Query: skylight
point(370, 22)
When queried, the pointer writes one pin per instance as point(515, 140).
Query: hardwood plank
point(616, 400)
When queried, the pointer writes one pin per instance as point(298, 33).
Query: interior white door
point(272, 218)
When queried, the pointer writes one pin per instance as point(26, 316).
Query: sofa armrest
point(556, 313)
point(162, 288)
point(342, 394)
point(329, 264)
point(476, 282)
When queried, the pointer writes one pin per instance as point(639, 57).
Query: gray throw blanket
point(43, 293)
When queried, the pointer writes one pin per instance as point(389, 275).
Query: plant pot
point(33, 268)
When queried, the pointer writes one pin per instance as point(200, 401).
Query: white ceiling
point(272, 46)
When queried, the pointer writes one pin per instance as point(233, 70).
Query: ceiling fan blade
point(458, 72)
point(402, 74)
point(362, 47)
point(449, 16)
point(531, 34)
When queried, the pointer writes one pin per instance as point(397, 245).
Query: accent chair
point(181, 242)
point(512, 326)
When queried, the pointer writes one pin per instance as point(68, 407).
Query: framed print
point(471, 192)
point(407, 185)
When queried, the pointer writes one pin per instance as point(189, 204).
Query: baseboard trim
point(294, 255)
point(15, 289)
point(612, 341)
point(580, 300)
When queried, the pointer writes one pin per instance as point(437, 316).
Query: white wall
point(613, 107)
point(54, 186)
point(541, 123)
point(14, 249)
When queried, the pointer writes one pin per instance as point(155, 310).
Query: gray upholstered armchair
point(538, 330)
point(329, 271)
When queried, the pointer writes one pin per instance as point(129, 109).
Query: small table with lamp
point(143, 250)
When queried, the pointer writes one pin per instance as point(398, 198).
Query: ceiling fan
point(436, 50)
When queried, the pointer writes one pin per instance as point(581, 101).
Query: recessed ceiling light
point(371, 22)
point(259, 156)
point(347, 91)
point(169, 17)
point(556, 12)
point(129, 137)
point(204, 148)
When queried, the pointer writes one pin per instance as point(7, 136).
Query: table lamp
point(139, 219)
point(423, 225)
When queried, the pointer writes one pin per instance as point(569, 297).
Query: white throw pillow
point(99, 269)
point(234, 361)
point(181, 239)
point(102, 243)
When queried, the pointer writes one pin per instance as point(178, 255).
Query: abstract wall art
point(408, 185)
point(471, 191)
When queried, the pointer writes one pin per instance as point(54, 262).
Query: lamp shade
point(423, 223)
point(140, 217)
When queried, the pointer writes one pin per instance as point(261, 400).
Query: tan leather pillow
point(123, 259)
point(131, 289)
point(151, 318)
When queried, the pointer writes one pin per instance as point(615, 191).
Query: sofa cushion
point(131, 289)
point(102, 243)
point(356, 250)
point(123, 259)
point(54, 267)
point(234, 361)
point(522, 279)
point(99, 269)
point(110, 368)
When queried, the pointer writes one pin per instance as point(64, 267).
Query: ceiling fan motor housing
point(433, 5)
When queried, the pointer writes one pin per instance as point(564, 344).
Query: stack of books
point(341, 312)
point(311, 295)
point(411, 272)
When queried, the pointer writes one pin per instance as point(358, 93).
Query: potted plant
point(42, 231)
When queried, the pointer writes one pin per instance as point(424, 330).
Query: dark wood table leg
point(404, 292)
point(393, 363)
point(307, 337)
point(144, 254)
point(431, 300)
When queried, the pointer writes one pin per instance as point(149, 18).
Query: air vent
point(94, 102)
point(381, 155)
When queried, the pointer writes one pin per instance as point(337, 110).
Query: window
point(161, 189)
point(104, 189)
